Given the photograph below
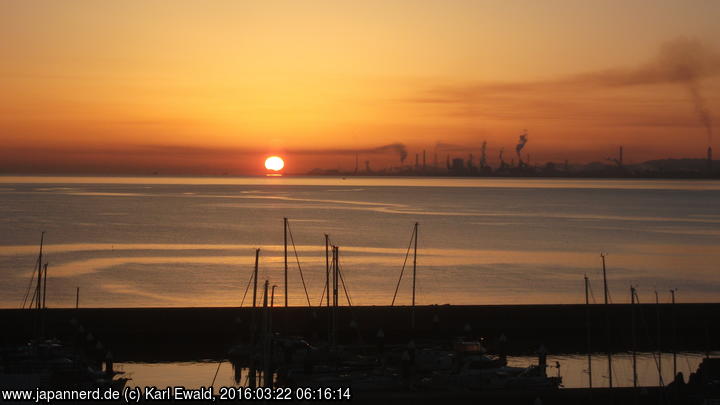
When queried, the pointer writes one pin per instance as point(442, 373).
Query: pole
point(327, 269)
point(41, 300)
point(38, 289)
point(44, 292)
point(587, 327)
point(327, 287)
point(285, 226)
point(77, 297)
point(634, 338)
point(255, 275)
point(674, 328)
point(336, 277)
point(412, 319)
point(657, 321)
point(334, 292)
point(267, 373)
point(605, 285)
point(607, 323)
point(272, 296)
point(252, 379)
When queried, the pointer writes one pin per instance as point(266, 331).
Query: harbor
point(186, 335)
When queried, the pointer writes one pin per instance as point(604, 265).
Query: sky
point(210, 87)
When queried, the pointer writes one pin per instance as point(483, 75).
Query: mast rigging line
point(297, 259)
point(322, 296)
point(407, 254)
point(647, 334)
point(342, 281)
point(592, 295)
point(216, 372)
point(247, 288)
point(32, 278)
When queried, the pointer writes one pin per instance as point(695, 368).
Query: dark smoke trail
point(393, 147)
point(688, 61)
point(701, 108)
point(521, 144)
point(682, 61)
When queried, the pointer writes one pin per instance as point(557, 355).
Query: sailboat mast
point(414, 275)
point(336, 277)
point(38, 289)
point(634, 338)
point(255, 274)
point(285, 228)
point(267, 373)
point(333, 335)
point(44, 292)
point(607, 324)
point(587, 327)
point(605, 285)
point(674, 328)
point(252, 378)
point(327, 269)
point(657, 321)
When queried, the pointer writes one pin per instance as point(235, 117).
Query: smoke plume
point(683, 61)
point(398, 148)
point(687, 62)
point(521, 144)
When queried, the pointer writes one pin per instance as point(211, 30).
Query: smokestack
point(435, 162)
point(424, 159)
point(417, 160)
point(483, 155)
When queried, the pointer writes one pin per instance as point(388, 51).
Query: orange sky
point(212, 87)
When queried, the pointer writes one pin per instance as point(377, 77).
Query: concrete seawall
point(147, 334)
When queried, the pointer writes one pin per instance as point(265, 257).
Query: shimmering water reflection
point(142, 242)
point(573, 369)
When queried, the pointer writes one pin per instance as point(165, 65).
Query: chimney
point(423, 159)
point(417, 160)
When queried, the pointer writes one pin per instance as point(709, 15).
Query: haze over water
point(152, 241)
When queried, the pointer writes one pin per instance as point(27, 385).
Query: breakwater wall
point(158, 334)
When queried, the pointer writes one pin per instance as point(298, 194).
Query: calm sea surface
point(190, 241)
point(573, 370)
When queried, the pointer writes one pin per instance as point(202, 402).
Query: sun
point(274, 163)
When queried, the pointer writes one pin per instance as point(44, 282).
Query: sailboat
point(46, 362)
